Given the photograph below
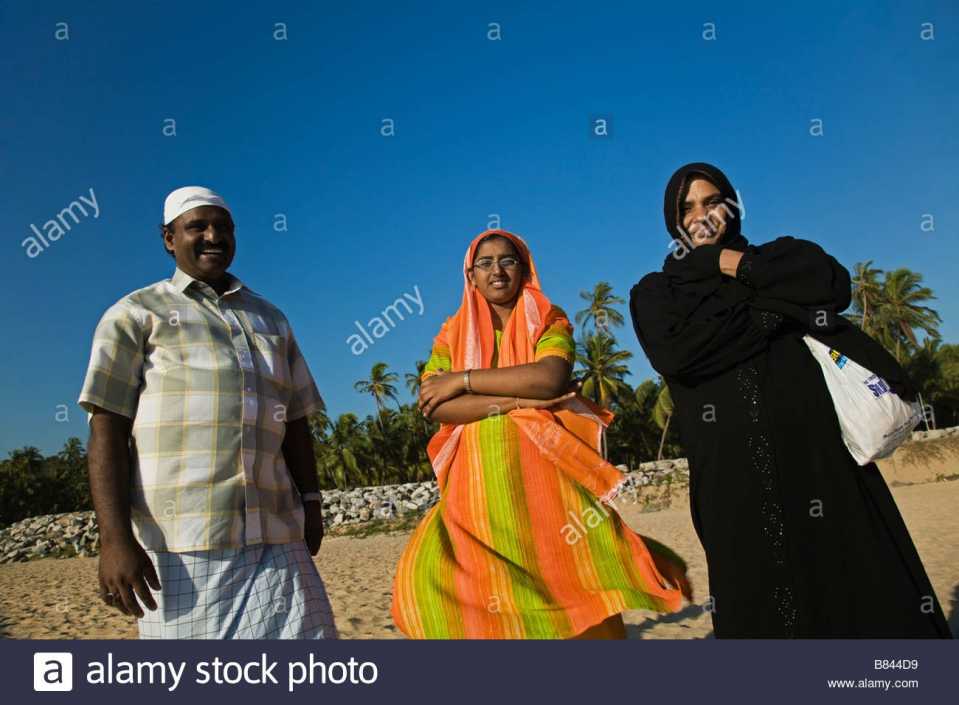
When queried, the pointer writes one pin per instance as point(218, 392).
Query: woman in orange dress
point(523, 543)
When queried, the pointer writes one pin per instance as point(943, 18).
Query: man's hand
point(298, 453)
point(125, 569)
point(313, 526)
point(124, 573)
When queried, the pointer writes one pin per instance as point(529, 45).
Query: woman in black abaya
point(800, 541)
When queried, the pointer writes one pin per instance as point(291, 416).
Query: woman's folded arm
point(686, 347)
point(797, 271)
point(543, 379)
point(468, 408)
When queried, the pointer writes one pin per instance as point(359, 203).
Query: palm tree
point(25, 474)
point(646, 398)
point(600, 310)
point(603, 368)
point(662, 414)
point(866, 291)
point(380, 386)
point(901, 311)
point(69, 467)
point(387, 440)
point(934, 369)
point(944, 393)
point(320, 425)
point(632, 437)
point(644, 392)
point(418, 430)
point(413, 381)
point(338, 462)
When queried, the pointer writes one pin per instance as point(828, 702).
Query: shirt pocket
point(271, 361)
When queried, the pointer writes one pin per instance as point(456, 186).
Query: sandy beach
point(56, 598)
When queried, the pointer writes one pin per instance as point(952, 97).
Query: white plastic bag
point(874, 420)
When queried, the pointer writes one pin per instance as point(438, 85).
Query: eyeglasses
point(486, 263)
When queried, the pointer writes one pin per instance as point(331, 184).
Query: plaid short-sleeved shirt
point(209, 382)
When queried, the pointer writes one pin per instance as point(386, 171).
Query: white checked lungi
point(265, 591)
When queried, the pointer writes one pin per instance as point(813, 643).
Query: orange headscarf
point(568, 435)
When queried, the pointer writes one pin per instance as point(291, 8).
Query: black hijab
point(678, 187)
point(695, 322)
point(690, 319)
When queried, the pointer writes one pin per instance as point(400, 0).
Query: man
point(200, 457)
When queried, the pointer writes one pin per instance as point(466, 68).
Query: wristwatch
point(311, 497)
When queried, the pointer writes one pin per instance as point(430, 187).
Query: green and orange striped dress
point(500, 554)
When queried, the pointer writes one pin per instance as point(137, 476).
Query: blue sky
point(482, 127)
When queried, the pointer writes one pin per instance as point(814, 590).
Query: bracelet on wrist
point(466, 382)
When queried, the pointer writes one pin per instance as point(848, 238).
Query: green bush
point(31, 484)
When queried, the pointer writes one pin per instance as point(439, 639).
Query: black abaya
point(800, 541)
